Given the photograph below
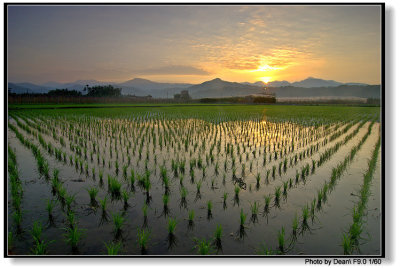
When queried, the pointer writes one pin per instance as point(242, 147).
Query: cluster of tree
point(64, 92)
point(246, 99)
point(103, 91)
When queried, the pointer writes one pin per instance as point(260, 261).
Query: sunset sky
point(194, 43)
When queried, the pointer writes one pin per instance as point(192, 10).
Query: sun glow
point(266, 67)
point(265, 79)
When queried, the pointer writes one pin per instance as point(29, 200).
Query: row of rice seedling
point(308, 211)
point(351, 238)
point(16, 195)
point(72, 233)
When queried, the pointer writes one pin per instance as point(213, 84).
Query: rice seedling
point(203, 247)
point(285, 187)
point(306, 215)
point(37, 230)
point(103, 204)
point(118, 221)
point(267, 201)
point(17, 217)
point(218, 236)
point(50, 204)
point(242, 218)
point(281, 240)
point(69, 199)
point(198, 186)
point(114, 187)
point(346, 244)
point(295, 226)
point(73, 235)
point(113, 248)
point(143, 237)
point(71, 218)
point(171, 226)
point(191, 217)
point(209, 209)
point(254, 211)
point(237, 190)
point(225, 196)
point(125, 197)
point(278, 194)
point(40, 247)
point(93, 191)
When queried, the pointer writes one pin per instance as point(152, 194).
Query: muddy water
point(99, 230)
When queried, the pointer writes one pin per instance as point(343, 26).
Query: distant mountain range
point(310, 87)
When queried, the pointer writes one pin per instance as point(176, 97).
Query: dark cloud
point(172, 70)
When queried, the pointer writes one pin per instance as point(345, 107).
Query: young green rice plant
point(50, 204)
point(258, 177)
point(103, 204)
point(113, 248)
point(218, 236)
point(143, 239)
point(242, 218)
point(69, 199)
point(73, 235)
point(46, 170)
point(181, 179)
point(183, 192)
point(17, 217)
point(306, 215)
point(37, 230)
point(191, 217)
point(198, 186)
point(254, 211)
point(203, 247)
point(295, 226)
point(171, 226)
point(237, 190)
point(125, 197)
point(165, 200)
point(267, 201)
point(225, 196)
point(147, 186)
point(118, 221)
point(125, 171)
point(10, 241)
point(346, 244)
point(278, 194)
point(209, 209)
point(71, 218)
point(281, 240)
point(264, 250)
point(114, 187)
point(312, 209)
point(93, 191)
point(116, 167)
point(40, 247)
point(132, 180)
point(285, 187)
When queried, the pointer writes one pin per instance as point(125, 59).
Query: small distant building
point(183, 96)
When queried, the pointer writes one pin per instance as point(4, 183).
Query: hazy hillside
point(216, 88)
point(339, 91)
point(219, 88)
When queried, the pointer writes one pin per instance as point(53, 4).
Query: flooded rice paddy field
point(209, 180)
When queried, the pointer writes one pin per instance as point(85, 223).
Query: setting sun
point(265, 79)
